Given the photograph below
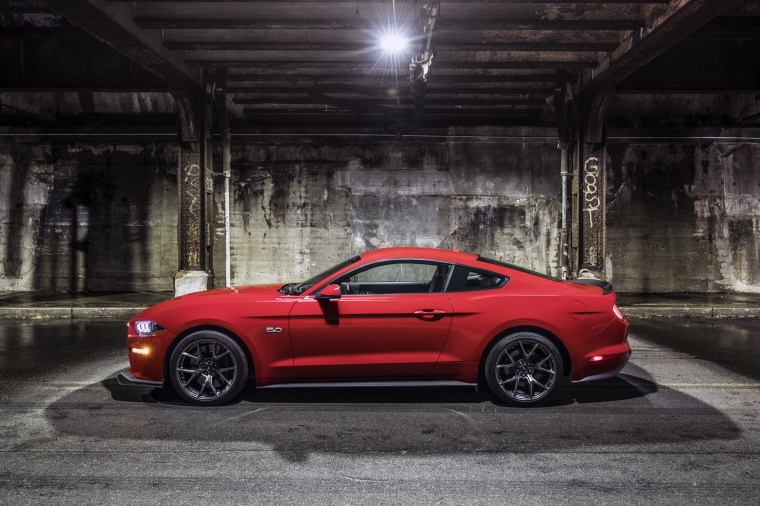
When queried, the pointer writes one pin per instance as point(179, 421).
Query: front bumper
point(128, 380)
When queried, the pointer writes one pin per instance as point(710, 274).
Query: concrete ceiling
point(312, 62)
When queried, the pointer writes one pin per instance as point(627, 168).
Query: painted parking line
point(748, 386)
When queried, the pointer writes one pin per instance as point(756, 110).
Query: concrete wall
point(684, 217)
point(97, 217)
point(78, 217)
point(301, 205)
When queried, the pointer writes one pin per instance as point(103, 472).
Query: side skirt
point(371, 384)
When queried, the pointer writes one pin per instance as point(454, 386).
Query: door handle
point(429, 315)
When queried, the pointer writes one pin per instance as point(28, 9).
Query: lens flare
point(393, 43)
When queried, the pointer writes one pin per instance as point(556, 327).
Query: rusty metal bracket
point(598, 101)
point(188, 106)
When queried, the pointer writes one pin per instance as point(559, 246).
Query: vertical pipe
point(227, 267)
point(224, 127)
point(563, 234)
point(563, 130)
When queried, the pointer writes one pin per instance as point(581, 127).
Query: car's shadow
point(614, 389)
point(628, 410)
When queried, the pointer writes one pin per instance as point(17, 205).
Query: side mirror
point(330, 292)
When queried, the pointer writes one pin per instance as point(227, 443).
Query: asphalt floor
point(124, 305)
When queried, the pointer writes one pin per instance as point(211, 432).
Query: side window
point(397, 277)
point(397, 273)
point(468, 279)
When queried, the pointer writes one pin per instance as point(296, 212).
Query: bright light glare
point(393, 43)
point(141, 351)
point(597, 358)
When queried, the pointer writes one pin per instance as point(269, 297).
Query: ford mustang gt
point(389, 315)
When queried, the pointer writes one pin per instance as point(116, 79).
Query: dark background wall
point(87, 216)
point(301, 204)
point(682, 215)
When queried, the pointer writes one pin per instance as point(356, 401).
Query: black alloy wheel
point(523, 369)
point(208, 368)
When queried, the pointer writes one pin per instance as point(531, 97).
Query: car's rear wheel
point(523, 368)
point(208, 368)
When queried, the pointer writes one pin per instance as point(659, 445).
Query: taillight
point(617, 312)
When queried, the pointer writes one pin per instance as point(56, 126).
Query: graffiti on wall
point(592, 202)
point(191, 215)
point(593, 213)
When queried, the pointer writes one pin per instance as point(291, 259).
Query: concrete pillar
point(193, 177)
point(590, 185)
point(593, 208)
point(190, 188)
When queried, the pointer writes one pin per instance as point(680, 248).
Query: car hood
point(252, 292)
point(201, 303)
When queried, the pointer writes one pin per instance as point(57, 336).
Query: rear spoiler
point(606, 286)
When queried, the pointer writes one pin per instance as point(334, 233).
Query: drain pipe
point(226, 165)
point(563, 233)
point(224, 128)
point(563, 130)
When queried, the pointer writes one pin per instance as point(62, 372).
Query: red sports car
point(389, 315)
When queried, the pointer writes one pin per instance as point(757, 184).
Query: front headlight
point(148, 328)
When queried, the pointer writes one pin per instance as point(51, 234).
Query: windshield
point(305, 285)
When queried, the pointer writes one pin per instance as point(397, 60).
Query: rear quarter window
point(466, 279)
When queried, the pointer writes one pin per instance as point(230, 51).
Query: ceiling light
point(393, 43)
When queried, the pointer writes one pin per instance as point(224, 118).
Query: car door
point(391, 320)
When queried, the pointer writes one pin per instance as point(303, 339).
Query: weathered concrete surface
point(102, 217)
point(301, 205)
point(89, 306)
point(190, 281)
point(684, 217)
point(77, 217)
point(49, 104)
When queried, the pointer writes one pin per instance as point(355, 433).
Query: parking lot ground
point(680, 424)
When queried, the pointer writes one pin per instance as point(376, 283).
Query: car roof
point(454, 256)
point(442, 255)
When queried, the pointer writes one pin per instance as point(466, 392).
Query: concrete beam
point(456, 39)
point(744, 8)
point(484, 56)
point(664, 28)
point(112, 23)
point(342, 14)
point(42, 106)
point(51, 59)
point(701, 64)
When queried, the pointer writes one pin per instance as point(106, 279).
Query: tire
point(208, 368)
point(523, 369)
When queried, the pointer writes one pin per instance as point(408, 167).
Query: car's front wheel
point(523, 368)
point(208, 368)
